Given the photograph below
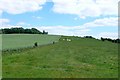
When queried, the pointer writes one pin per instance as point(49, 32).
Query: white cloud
point(9, 26)
point(65, 30)
point(86, 8)
point(4, 22)
point(81, 30)
point(23, 24)
point(103, 22)
point(37, 17)
point(82, 8)
point(1, 13)
point(84, 29)
point(112, 35)
point(20, 6)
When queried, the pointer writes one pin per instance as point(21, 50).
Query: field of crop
point(14, 41)
point(78, 58)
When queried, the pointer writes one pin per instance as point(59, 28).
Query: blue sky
point(97, 18)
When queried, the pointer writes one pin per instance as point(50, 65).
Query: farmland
point(78, 58)
point(14, 41)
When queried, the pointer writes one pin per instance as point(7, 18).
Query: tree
point(0, 31)
point(35, 31)
point(102, 39)
point(44, 32)
point(20, 30)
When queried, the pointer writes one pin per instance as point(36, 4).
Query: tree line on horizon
point(21, 31)
point(111, 40)
point(105, 39)
point(36, 31)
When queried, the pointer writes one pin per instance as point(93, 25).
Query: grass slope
point(80, 58)
point(14, 41)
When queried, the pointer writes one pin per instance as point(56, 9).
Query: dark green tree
point(20, 31)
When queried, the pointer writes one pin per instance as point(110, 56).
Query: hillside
point(16, 41)
point(77, 58)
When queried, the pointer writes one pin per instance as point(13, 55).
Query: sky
point(97, 18)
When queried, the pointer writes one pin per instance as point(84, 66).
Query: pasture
point(78, 58)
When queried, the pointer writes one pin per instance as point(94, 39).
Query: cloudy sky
point(98, 18)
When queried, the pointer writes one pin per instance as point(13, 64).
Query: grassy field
point(0, 56)
point(14, 41)
point(78, 58)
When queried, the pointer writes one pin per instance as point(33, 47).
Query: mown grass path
point(78, 58)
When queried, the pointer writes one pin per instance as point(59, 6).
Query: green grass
point(80, 58)
point(0, 56)
point(14, 41)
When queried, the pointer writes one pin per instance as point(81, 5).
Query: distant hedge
point(105, 39)
point(111, 40)
point(21, 31)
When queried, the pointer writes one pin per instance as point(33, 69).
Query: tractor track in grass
point(60, 68)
